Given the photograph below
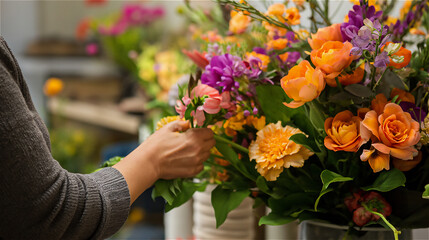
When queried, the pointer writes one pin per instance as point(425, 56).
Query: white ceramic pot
point(238, 225)
point(310, 230)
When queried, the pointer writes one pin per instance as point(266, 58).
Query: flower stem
point(395, 232)
point(233, 144)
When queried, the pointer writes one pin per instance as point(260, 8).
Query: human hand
point(175, 151)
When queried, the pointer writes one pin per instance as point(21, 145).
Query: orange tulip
point(292, 16)
point(402, 95)
point(332, 57)
point(303, 84)
point(394, 134)
point(331, 33)
point(378, 103)
point(343, 132)
point(238, 22)
point(347, 79)
point(402, 52)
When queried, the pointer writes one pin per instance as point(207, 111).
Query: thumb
point(178, 126)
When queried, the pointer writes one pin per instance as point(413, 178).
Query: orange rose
point(394, 133)
point(331, 33)
point(343, 132)
point(378, 103)
point(303, 84)
point(347, 79)
point(401, 52)
point(332, 57)
point(277, 44)
point(239, 22)
point(402, 95)
point(292, 16)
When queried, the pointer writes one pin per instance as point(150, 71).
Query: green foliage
point(226, 200)
point(327, 178)
point(387, 181)
point(426, 192)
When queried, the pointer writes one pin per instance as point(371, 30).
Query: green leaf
point(317, 117)
point(426, 192)
point(273, 107)
point(274, 219)
point(387, 181)
point(329, 177)
point(232, 157)
point(261, 183)
point(226, 200)
point(186, 192)
point(359, 90)
point(304, 141)
point(162, 189)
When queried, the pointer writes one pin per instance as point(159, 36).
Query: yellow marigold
point(53, 86)
point(166, 120)
point(390, 20)
point(405, 9)
point(370, 3)
point(273, 151)
point(264, 58)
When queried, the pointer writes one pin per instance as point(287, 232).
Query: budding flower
point(393, 48)
point(368, 23)
point(397, 59)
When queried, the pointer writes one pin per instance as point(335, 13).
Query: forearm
point(138, 170)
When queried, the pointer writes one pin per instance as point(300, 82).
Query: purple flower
point(382, 60)
point(139, 15)
point(222, 70)
point(416, 113)
point(356, 17)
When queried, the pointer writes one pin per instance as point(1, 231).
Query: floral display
point(327, 123)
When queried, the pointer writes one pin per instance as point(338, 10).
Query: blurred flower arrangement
point(134, 38)
point(327, 123)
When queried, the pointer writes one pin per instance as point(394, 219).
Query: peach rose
point(343, 132)
point(347, 79)
point(238, 22)
point(331, 33)
point(404, 96)
point(332, 57)
point(303, 84)
point(394, 133)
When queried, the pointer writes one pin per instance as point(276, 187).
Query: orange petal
point(294, 104)
point(370, 122)
point(379, 161)
point(404, 154)
point(381, 148)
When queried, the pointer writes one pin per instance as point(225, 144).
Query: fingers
point(178, 126)
point(200, 133)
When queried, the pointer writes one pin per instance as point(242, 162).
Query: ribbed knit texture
point(38, 198)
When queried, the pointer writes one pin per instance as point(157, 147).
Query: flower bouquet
point(326, 123)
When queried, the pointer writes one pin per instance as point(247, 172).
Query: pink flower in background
point(92, 49)
point(141, 15)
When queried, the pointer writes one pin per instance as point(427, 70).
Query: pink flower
point(212, 102)
point(92, 49)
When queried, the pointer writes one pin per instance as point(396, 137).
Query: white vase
point(238, 225)
point(310, 230)
point(178, 222)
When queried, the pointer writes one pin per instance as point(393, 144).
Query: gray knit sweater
point(38, 198)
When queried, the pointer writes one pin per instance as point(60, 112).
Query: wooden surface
point(105, 115)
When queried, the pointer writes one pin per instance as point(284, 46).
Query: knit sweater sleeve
point(38, 198)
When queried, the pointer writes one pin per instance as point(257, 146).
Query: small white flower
point(368, 23)
point(397, 59)
point(392, 48)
